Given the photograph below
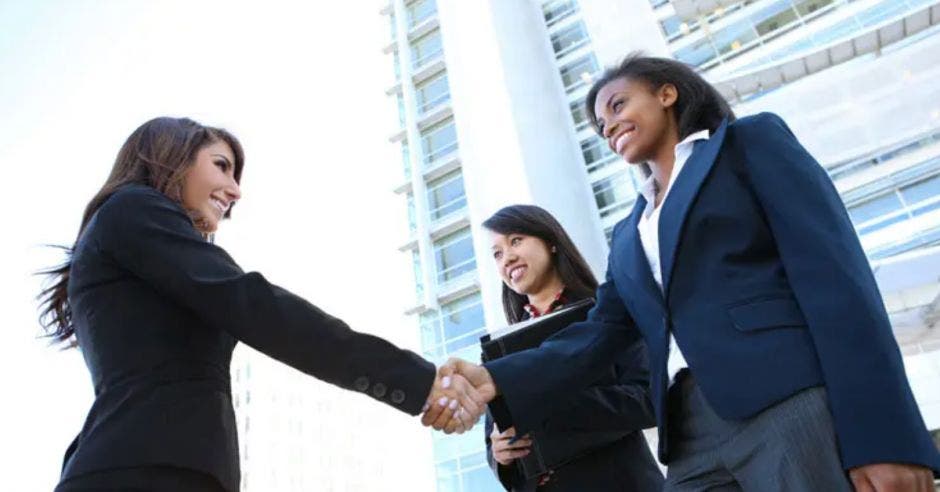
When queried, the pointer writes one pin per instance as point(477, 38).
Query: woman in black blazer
point(157, 310)
point(595, 442)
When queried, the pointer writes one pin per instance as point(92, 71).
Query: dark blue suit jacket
point(767, 290)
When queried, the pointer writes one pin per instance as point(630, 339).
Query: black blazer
point(157, 311)
point(597, 436)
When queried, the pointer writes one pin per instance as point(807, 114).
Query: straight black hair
point(531, 220)
point(699, 106)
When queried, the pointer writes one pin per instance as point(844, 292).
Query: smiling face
point(524, 262)
point(209, 186)
point(636, 120)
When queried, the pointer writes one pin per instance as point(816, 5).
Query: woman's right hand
point(506, 453)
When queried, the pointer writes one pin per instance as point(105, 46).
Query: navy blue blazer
point(767, 291)
point(157, 312)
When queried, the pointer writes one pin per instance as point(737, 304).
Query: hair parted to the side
point(699, 106)
point(532, 220)
point(156, 154)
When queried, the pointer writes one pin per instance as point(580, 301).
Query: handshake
point(458, 397)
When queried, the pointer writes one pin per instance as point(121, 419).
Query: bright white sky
point(300, 83)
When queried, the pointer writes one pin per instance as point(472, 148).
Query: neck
point(545, 296)
point(664, 159)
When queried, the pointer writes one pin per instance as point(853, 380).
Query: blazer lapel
point(635, 264)
point(683, 193)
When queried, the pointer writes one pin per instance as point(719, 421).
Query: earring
point(554, 250)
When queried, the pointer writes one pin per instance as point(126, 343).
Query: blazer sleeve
point(624, 406)
point(152, 237)
point(534, 382)
point(875, 415)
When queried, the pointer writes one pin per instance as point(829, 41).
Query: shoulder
point(134, 207)
point(760, 125)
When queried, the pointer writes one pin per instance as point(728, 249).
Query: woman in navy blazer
point(595, 442)
point(760, 278)
point(157, 309)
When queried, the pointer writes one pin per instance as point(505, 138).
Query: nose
point(509, 259)
point(233, 191)
point(610, 129)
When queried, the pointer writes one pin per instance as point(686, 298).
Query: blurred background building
point(490, 102)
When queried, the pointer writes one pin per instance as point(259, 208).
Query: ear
point(667, 95)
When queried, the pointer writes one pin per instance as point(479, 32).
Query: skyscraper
point(490, 98)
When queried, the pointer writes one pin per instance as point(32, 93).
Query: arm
point(624, 406)
point(566, 363)
point(153, 238)
point(875, 415)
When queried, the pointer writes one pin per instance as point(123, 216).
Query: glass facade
point(432, 92)
point(453, 256)
point(438, 141)
point(446, 196)
point(419, 11)
point(426, 48)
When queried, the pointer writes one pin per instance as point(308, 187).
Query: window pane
point(462, 317)
point(875, 207)
point(427, 47)
point(773, 17)
point(406, 159)
point(697, 54)
point(922, 190)
point(438, 141)
point(613, 193)
point(432, 92)
point(735, 36)
point(454, 255)
point(558, 10)
point(419, 11)
point(419, 278)
point(446, 195)
point(807, 7)
point(574, 73)
point(579, 115)
point(596, 153)
point(569, 39)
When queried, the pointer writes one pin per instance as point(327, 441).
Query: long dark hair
point(531, 220)
point(699, 106)
point(157, 154)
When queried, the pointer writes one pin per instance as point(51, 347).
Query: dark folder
point(522, 336)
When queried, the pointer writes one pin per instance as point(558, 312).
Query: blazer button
point(361, 384)
point(378, 390)
point(398, 396)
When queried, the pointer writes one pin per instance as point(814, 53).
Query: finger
point(860, 481)
point(517, 453)
point(448, 408)
point(455, 426)
point(510, 432)
point(432, 413)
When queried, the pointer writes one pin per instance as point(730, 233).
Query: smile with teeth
point(622, 140)
point(220, 205)
point(516, 273)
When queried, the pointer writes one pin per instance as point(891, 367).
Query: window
point(596, 153)
point(557, 10)
point(401, 109)
point(457, 326)
point(438, 141)
point(875, 207)
point(697, 53)
point(419, 278)
point(569, 39)
point(674, 27)
point(573, 75)
point(922, 196)
point(425, 48)
point(391, 18)
point(453, 256)
point(412, 214)
point(613, 193)
point(406, 159)
point(773, 17)
point(396, 64)
point(432, 92)
point(419, 11)
point(446, 195)
point(579, 115)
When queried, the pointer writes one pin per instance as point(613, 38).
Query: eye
point(618, 105)
point(497, 255)
point(515, 241)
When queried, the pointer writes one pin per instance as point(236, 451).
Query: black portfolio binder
point(521, 336)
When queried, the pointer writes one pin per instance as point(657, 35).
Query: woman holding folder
point(594, 443)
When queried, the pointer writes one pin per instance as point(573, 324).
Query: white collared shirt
point(648, 227)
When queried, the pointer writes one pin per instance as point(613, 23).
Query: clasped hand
point(458, 397)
